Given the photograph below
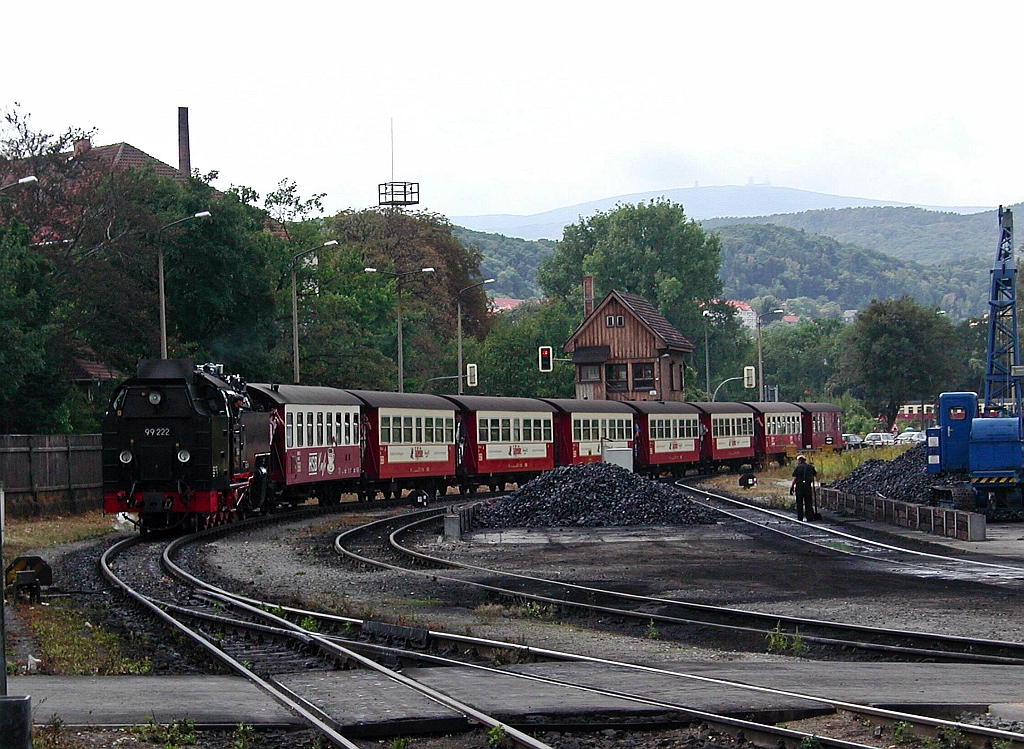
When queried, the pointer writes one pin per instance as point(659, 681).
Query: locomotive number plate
point(158, 432)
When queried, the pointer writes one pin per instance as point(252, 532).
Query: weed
point(505, 656)
point(400, 742)
point(72, 647)
point(497, 737)
point(310, 624)
point(488, 612)
point(903, 733)
point(348, 628)
point(780, 642)
point(50, 735)
point(241, 736)
point(169, 735)
point(953, 738)
point(651, 633)
point(534, 610)
point(810, 742)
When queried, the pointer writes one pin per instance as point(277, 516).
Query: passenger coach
point(409, 443)
point(584, 428)
point(778, 430)
point(501, 440)
point(668, 437)
point(314, 434)
point(730, 434)
point(823, 426)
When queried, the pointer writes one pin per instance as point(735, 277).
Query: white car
point(879, 439)
point(910, 438)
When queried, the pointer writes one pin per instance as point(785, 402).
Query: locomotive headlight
point(183, 456)
point(125, 456)
point(155, 397)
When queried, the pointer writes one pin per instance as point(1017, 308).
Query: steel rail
point(768, 620)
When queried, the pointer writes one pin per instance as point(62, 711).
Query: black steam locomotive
point(183, 446)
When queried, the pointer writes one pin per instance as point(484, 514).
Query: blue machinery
point(987, 443)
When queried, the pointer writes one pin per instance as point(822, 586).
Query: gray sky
point(529, 106)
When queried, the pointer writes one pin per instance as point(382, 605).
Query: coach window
point(309, 428)
point(547, 430)
point(330, 427)
point(319, 428)
point(407, 429)
point(481, 430)
point(299, 430)
point(449, 430)
point(419, 430)
point(385, 430)
point(349, 418)
point(516, 433)
point(289, 430)
point(506, 430)
point(428, 429)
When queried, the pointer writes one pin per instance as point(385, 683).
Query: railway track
point(252, 639)
point(379, 543)
point(354, 630)
point(891, 558)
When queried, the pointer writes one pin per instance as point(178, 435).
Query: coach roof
point(575, 405)
point(774, 407)
point(305, 395)
point(492, 403)
point(422, 401)
point(664, 407)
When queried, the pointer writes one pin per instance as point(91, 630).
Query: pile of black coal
point(903, 478)
point(593, 495)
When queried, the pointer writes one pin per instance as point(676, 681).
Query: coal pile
point(903, 478)
point(594, 495)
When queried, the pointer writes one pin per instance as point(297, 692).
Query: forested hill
point(825, 276)
point(511, 262)
point(929, 237)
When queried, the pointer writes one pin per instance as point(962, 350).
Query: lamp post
point(760, 361)
point(160, 275)
point(29, 180)
point(295, 307)
point(398, 293)
point(707, 357)
point(458, 300)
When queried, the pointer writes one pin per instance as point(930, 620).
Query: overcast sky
point(528, 106)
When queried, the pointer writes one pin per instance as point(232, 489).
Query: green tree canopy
point(898, 351)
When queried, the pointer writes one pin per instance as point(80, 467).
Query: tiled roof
point(127, 156)
point(653, 319)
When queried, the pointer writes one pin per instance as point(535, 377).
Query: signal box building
point(626, 351)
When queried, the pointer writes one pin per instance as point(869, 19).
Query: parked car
point(879, 439)
point(852, 441)
point(910, 437)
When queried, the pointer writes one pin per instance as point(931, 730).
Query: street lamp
point(458, 300)
point(760, 361)
point(707, 357)
point(29, 180)
point(398, 289)
point(160, 274)
point(295, 307)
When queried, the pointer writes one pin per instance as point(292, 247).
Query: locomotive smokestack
point(184, 155)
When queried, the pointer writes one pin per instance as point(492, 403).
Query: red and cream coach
point(668, 437)
point(585, 429)
point(778, 430)
point(409, 443)
point(315, 440)
point(502, 440)
point(730, 430)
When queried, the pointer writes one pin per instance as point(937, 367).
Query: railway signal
point(545, 358)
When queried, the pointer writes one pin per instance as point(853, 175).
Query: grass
point(70, 645)
point(22, 535)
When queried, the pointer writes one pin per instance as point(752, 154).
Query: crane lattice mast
point(1003, 371)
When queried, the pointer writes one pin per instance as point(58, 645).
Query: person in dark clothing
point(803, 487)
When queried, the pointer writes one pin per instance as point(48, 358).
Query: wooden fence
point(942, 521)
point(51, 474)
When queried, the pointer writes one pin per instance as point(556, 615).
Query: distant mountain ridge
point(700, 203)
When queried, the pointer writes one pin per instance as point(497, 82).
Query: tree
point(897, 351)
point(802, 359)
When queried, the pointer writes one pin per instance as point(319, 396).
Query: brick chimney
point(184, 155)
point(82, 145)
point(588, 296)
